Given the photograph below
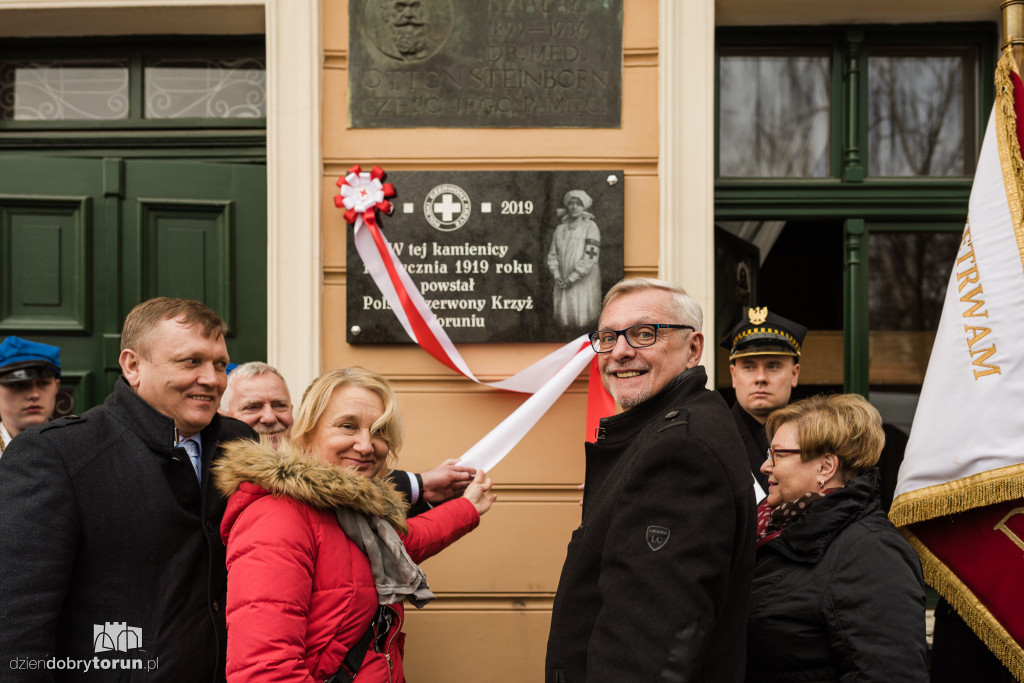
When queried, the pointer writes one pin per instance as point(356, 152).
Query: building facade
point(812, 157)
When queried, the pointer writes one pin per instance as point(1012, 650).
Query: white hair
point(686, 307)
point(247, 371)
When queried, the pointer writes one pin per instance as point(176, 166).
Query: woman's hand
point(478, 492)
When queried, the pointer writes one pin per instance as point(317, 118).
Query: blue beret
point(21, 359)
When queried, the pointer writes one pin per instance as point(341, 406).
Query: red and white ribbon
point(361, 194)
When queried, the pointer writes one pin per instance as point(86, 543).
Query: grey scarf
point(395, 574)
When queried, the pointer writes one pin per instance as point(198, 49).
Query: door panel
point(186, 252)
point(84, 240)
point(44, 263)
point(199, 230)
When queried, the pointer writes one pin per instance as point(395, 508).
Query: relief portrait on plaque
point(485, 64)
point(409, 30)
point(573, 262)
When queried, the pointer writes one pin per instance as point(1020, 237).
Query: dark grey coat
point(102, 522)
point(656, 582)
point(838, 596)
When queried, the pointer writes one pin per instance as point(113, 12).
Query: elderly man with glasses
point(656, 582)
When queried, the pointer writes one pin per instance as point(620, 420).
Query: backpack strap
point(350, 666)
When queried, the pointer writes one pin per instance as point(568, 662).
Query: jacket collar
point(148, 423)
point(629, 423)
point(807, 538)
point(287, 471)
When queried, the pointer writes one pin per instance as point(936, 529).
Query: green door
point(84, 240)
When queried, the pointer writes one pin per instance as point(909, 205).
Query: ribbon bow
point(364, 193)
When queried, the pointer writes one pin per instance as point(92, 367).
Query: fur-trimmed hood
point(287, 471)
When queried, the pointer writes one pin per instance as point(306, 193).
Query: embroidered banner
point(963, 472)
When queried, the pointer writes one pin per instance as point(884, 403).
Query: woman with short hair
point(838, 593)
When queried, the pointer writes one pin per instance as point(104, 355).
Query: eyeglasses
point(774, 453)
point(637, 336)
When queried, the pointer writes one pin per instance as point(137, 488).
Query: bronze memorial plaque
point(485, 63)
point(498, 256)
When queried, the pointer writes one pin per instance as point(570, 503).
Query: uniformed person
point(764, 361)
point(29, 381)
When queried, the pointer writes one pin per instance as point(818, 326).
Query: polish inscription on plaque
point(498, 256)
point(485, 63)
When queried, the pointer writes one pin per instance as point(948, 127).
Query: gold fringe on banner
point(959, 495)
point(971, 610)
point(1009, 149)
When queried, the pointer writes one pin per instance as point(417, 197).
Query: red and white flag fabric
point(960, 494)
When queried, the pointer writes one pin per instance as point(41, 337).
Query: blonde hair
point(387, 427)
point(845, 425)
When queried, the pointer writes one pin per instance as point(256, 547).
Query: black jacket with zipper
point(838, 596)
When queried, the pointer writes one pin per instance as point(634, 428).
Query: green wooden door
point(84, 240)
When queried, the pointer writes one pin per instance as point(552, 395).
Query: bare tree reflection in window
point(774, 115)
point(920, 115)
point(909, 276)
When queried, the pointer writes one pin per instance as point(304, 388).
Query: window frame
point(233, 138)
point(863, 202)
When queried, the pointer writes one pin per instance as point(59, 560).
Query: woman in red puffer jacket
point(302, 592)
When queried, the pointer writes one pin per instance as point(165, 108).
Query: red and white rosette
point(362, 195)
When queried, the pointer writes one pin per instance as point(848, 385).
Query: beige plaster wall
point(495, 587)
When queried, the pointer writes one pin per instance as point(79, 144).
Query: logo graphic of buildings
point(117, 636)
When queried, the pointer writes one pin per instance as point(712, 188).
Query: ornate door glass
point(64, 90)
point(206, 88)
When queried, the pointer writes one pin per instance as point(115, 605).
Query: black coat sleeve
point(875, 611)
point(39, 523)
point(659, 604)
point(402, 481)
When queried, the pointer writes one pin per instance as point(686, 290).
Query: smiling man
point(656, 581)
point(29, 381)
point(764, 361)
point(111, 560)
point(257, 395)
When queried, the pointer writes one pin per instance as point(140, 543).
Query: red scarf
point(772, 521)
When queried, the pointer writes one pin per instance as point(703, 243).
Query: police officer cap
point(21, 360)
point(762, 333)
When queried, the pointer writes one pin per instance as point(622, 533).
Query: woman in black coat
point(838, 593)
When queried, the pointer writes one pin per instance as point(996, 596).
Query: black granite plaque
point(485, 63)
point(499, 256)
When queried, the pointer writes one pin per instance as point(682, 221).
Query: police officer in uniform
point(764, 361)
point(29, 381)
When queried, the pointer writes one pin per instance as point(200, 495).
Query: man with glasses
point(764, 361)
point(656, 581)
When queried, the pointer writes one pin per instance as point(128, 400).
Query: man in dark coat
point(764, 362)
point(656, 582)
point(111, 565)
